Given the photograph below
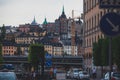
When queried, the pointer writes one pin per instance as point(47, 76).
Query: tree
point(101, 52)
point(97, 56)
point(105, 52)
point(3, 33)
point(1, 59)
point(36, 56)
point(116, 51)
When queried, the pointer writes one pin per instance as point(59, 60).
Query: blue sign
point(110, 24)
point(48, 58)
point(109, 3)
point(48, 63)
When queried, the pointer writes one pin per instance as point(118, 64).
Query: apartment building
point(57, 49)
point(92, 32)
point(8, 48)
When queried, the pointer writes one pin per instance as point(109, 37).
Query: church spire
point(63, 13)
point(63, 10)
point(45, 21)
point(34, 22)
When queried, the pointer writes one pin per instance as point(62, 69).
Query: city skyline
point(15, 12)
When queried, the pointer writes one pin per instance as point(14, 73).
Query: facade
point(92, 32)
point(61, 24)
point(48, 47)
point(25, 39)
point(67, 48)
point(8, 48)
point(57, 49)
point(24, 28)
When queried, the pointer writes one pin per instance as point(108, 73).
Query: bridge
point(56, 60)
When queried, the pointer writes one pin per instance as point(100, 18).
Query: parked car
point(83, 75)
point(74, 73)
point(114, 76)
point(6, 75)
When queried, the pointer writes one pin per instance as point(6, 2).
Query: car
point(74, 73)
point(83, 75)
point(114, 76)
point(6, 75)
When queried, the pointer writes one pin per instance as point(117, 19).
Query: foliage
point(101, 52)
point(116, 50)
point(1, 59)
point(105, 52)
point(97, 50)
point(3, 33)
point(36, 55)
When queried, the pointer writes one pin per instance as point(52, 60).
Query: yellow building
point(48, 48)
point(25, 39)
point(8, 48)
point(57, 49)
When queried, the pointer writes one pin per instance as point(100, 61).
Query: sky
point(16, 12)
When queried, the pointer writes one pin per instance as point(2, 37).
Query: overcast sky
point(15, 12)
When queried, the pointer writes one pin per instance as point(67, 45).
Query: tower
point(34, 22)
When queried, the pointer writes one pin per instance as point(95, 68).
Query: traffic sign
point(48, 58)
point(110, 24)
point(48, 63)
point(109, 3)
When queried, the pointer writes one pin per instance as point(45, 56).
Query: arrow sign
point(48, 63)
point(110, 24)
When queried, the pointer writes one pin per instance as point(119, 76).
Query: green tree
point(1, 59)
point(116, 51)
point(36, 56)
point(105, 52)
point(3, 33)
point(97, 50)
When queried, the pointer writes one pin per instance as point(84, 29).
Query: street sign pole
point(110, 57)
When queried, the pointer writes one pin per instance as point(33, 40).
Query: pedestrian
point(51, 73)
point(34, 75)
point(55, 71)
point(94, 73)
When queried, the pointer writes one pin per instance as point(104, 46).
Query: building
point(8, 48)
point(25, 39)
point(24, 28)
point(61, 24)
point(92, 32)
point(57, 48)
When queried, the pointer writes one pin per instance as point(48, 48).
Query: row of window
point(8, 51)
point(8, 47)
point(89, 4)
point(90, 40)
point(92, 31)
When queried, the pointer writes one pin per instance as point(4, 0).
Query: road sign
point(48, 58)
point(48, 63)
point(109, 3)
point(110, 24)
